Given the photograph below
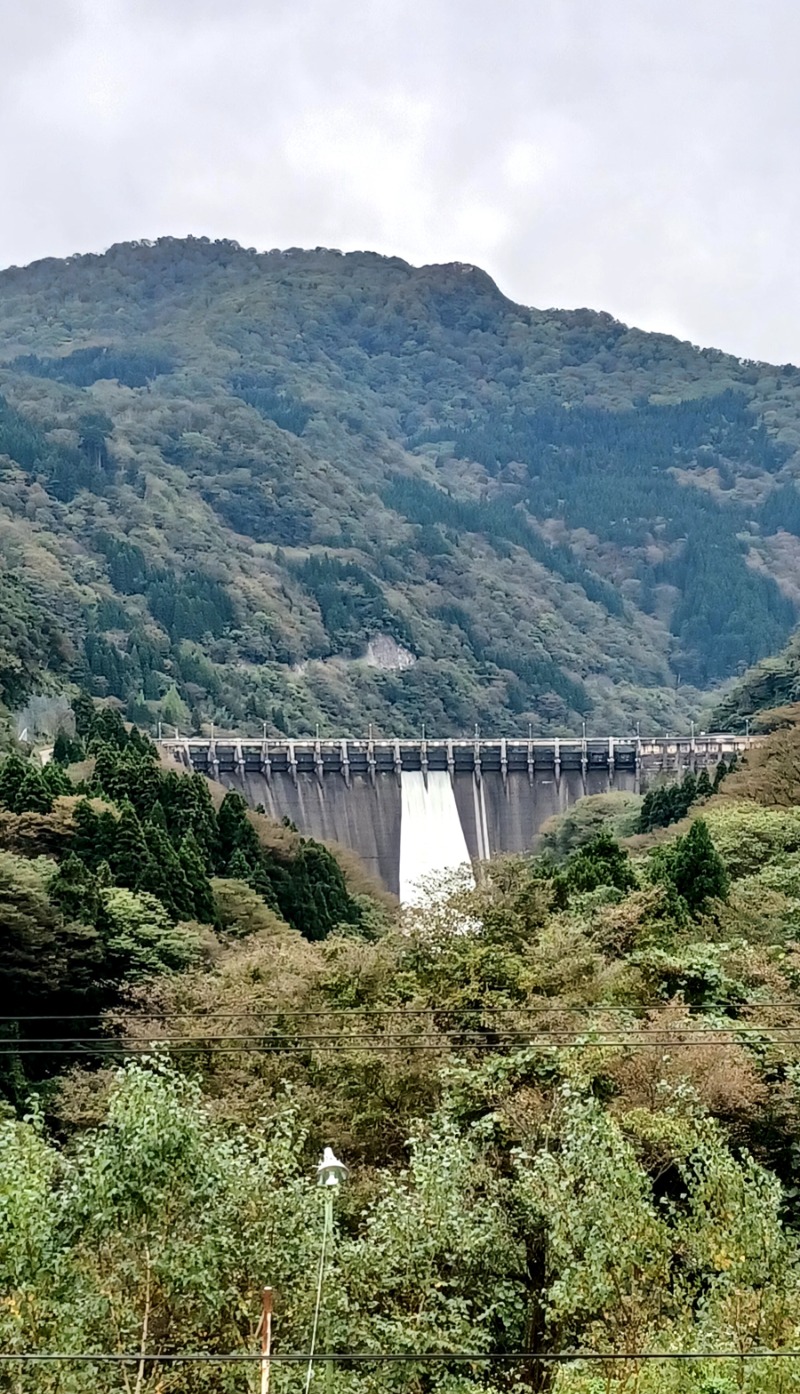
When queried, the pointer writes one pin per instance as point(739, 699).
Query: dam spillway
point(410, 808)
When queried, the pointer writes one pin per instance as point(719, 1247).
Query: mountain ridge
point(225, 473)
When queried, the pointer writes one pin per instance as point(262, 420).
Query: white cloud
point(637, 158)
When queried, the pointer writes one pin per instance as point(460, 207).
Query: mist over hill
point(301, 488)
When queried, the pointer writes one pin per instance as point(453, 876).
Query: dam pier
point(412, 808)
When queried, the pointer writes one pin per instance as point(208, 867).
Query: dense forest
point(117, 867)
point(570, 1128)
point(224, 475)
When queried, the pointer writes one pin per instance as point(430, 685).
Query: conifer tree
point(83, 709)
point(34, 794)
point(95, 834)
point(66, 749)
point(156, 818)
point(696, 869)
point(236, 831)
point(688, 791)
point(164, 875)
point(202, 817)
point(56, 779)
point(12, 774)
point(108, 728)
point(239, 868)
point(191, 861)
point(704, 788)
point(131, 856)
point(75, 891)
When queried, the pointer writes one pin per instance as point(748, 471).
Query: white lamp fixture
point(330, 1171)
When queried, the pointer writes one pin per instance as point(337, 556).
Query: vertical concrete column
point(371, 761)
point(265, 763)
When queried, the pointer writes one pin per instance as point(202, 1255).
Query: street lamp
point(330, 1171)
point(330, 1174)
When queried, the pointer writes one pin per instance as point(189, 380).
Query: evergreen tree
point(704, 787)
point(719, 775)
point(141, 744)
point(191, 861)
point(602, 862)
point(34, 794)
point(12, 774)
point(95, 835)
point(202, 818)
point(75, 891)
point(130, 859)
point(83, 709)
point(56, 779)
point(688, 792)
point(696, 869)
point(236, 831)
point(239, 868)
point(108, 728)
point(66, 749)
point(103, 875)
point(164, 875)
point(157, 818)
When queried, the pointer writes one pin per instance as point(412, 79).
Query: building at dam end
point(414, 808)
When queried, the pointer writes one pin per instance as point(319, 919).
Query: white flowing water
point(432, 841)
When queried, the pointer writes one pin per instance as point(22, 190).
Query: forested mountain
point(304, 488)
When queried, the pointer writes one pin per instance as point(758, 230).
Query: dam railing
point(371, 757)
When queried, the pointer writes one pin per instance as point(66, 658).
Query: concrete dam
point(415, 808)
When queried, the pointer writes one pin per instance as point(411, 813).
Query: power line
point(108, 1048)
point(552, 1004)
point(393, 1357)
point(467, 1036)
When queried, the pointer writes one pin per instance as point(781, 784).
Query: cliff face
point(223, 474)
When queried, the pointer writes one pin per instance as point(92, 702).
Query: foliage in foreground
point(569, 1097)
point(156, 1231)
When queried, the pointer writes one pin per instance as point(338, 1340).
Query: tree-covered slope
point(305, 489)
point(570, 1127)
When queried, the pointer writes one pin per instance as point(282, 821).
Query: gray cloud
point(636, 158)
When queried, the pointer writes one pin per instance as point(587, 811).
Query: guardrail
point(345, 757)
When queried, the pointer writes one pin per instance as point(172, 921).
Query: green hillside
point(300, 488)
point(570, 1128)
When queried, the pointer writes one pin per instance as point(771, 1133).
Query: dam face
point(415, 808)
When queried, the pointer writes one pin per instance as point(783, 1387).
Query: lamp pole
point(330, 1173)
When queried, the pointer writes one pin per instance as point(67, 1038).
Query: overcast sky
point(637, 156)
